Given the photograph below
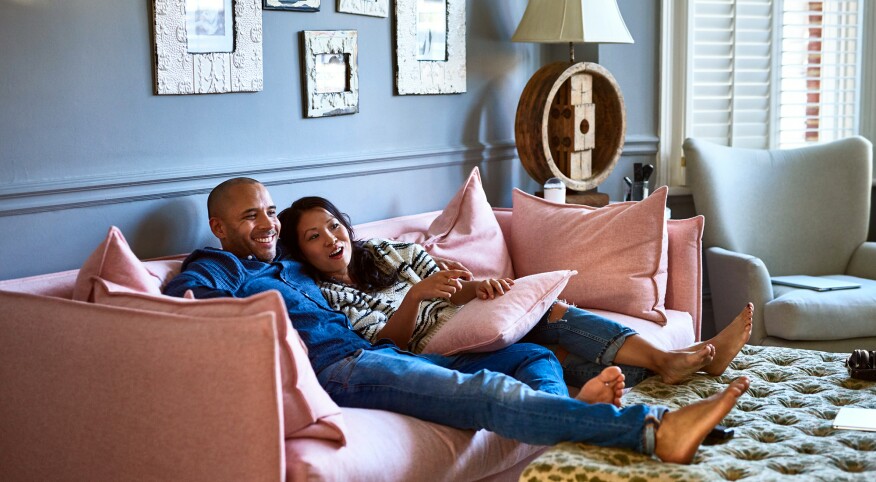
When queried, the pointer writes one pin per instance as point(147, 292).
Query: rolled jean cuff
point(614, 346)
point(649, 432)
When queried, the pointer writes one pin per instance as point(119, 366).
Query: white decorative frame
point(179, 72)
point(295, 5)
point(429, 76)
point(374, 8)
point(319, 42)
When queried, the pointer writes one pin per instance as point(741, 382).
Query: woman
point(396, 291)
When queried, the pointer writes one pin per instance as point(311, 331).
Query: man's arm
point(206, 275)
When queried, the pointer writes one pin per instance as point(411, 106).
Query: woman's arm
point(400, 326)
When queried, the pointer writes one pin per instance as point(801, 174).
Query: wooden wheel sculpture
point(556, 125)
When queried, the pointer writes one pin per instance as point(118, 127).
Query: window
point(763, 74)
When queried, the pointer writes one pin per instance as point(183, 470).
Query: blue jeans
point(592, 342)
point(478, 391)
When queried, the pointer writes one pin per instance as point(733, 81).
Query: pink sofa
point(91, 392)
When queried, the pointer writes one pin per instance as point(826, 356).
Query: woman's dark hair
point(363, 267)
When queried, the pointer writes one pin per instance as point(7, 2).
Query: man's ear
point(217, 227)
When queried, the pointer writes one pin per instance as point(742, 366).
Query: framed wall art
point(374, 8)
point(331, 72)
point(207, 46)
point(296, 5)
point(430, 46)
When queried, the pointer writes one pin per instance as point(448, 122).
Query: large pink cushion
point(384, 446)
point(158, 397)
point(113, 260)
point(619, 251)
point(684, 250)
point(467, 231)
point(308, 410)
point(488, 325)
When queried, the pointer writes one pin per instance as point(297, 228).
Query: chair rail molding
point(41, 196)
point(52, 195)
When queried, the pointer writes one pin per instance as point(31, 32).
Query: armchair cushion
point(801, 314)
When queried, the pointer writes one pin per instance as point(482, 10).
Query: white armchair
point(789, 212)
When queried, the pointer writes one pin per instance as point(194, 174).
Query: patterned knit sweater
point(369, 312)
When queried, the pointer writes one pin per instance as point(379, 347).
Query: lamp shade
point(578, 21)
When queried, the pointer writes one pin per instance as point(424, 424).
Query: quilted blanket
point(783, 427)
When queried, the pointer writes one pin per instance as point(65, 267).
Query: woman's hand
point(442, 284)
point(488, 289)
point(446, 264)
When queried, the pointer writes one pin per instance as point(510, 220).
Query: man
point(517, 392)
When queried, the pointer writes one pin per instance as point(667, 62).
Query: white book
point(814, 283)
point(853, 418)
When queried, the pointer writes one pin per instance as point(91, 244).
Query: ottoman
point(783, 427)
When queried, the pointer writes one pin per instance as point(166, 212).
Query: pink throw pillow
point(488, 325)
point(308, 411)
point(467, 231)
point(619, 251)
point(114, 261)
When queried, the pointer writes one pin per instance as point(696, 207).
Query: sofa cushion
point(114, 261)
point(467, 231)
point(801, 314)
point(387, 446)
point(674, 335)
point(158, 397)
point(488, 325)
point(308, 410)
point(619, 251)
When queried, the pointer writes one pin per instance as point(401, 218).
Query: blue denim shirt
point(212, 273)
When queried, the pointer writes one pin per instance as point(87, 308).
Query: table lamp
point(570, 120)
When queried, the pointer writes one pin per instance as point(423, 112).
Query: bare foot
point(731, 339)
point(682, 431)
point(676, 366)
point(607, 387)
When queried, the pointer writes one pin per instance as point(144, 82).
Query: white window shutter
point(730, 72)
point(773, 73)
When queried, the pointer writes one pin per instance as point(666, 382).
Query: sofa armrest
point(863, 262)
point(104, 393)
point(736, 279)
point(684, 281)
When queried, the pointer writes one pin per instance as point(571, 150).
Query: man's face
point(246, 222)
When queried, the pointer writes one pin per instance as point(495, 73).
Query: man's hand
point(445, 264)
point(488, 289)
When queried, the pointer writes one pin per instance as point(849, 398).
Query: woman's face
point(325, 243)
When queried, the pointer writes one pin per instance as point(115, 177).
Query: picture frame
point(373, 8)
point(331, 72)
point(294, 5)
point(430, 47)
point(209, 69)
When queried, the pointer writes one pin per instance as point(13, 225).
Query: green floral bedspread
point(783, 427)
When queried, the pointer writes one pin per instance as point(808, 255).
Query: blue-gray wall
point(84, 143)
